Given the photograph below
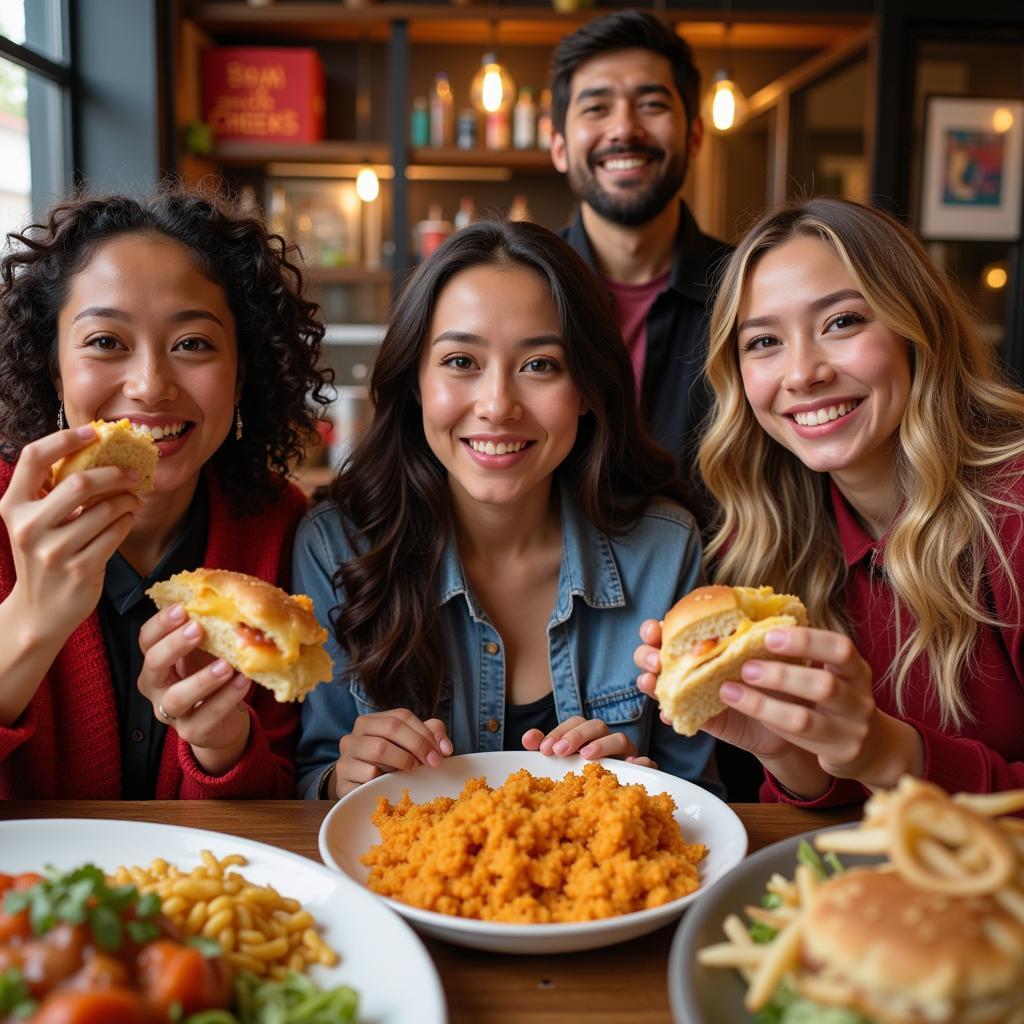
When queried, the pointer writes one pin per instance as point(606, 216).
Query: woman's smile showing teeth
point(825, 414)
point(490, 448)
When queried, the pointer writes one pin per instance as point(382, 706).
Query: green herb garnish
point(14, 995)
point(83, 896)
point(208, 947)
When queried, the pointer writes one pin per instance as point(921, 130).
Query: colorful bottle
point(465, 129)
point(544, 120)
point(497, 131)
point(442, 112)
point(466, 212)
point(524, 120)
point(519, 210)
point(419, 122)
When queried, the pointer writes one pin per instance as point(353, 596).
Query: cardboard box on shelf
point(263, 93)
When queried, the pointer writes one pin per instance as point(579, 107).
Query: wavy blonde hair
point(961, 426)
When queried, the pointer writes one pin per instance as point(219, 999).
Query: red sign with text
point(263, 93)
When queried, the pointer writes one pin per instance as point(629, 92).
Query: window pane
point(35, 24)
point(15, 166)
point(32, 146)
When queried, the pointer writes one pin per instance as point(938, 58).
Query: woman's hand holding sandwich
point(807, 718)
point(200, 696)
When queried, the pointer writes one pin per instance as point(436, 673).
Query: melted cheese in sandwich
point(257, 652)
point(702, 651)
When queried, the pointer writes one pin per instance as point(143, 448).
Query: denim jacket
point(607, 586)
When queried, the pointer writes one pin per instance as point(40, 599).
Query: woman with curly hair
point(187, 319)
point(866, 455)
point(499, 532)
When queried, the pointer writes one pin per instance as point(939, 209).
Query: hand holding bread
point(266, 634)
point(62, 535)
point(800, 699)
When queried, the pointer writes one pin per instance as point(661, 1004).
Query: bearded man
point(624, 105)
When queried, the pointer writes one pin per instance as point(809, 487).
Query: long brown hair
point(393, 494)
point(962, 427)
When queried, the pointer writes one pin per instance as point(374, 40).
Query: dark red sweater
point(985, 755)
point(65, 744)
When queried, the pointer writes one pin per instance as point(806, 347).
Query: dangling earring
point(61, 422)
point(238, 422)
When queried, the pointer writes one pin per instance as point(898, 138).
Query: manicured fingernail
point(586, 751)
point(240, 682)
point(177, 614)
point(730, 692)
point(546, 745)
point(192, 631)
point(561, 747)
point(446, 746)
point(433, 758)
point(752, 671)
point(221, 668)
point(652, 660)
point(86, 431)
point(775, 640)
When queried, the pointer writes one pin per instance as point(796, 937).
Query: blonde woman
point(866, 455)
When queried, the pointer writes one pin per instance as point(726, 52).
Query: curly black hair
point(278, 331)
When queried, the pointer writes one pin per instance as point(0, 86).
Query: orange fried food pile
point(534, 850)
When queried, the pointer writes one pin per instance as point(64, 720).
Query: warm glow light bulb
point(995, 278)
point(491, 93)
point(1002, 120)
point(492, 88)
point(723, 106)
point(367, 184)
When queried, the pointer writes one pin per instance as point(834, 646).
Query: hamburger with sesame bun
point(875, 945)
point(266, 634)
point(705, 639)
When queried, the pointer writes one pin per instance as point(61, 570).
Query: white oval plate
point(348, 832)
point(375, 945)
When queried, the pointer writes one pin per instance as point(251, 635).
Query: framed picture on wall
point(973, 168)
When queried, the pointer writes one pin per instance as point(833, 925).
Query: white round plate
point(710, 995)
point(348, 832)
point(374, 945)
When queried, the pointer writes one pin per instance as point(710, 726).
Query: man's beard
point(627, 207)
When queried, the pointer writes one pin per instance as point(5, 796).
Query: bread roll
point(258, 629)
point(706, 637)
point(119, 443)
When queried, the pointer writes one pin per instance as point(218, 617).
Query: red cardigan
point(66, 745)
point(986, 755)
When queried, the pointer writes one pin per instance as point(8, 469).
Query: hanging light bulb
point(493, 88)
point(725, 106)
point(367, 184)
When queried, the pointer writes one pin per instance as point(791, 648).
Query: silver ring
point(163, 714)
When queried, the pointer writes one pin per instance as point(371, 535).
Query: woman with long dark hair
point(181, 315)
point(499, 531)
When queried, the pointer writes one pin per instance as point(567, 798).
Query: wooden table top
point(623, 984)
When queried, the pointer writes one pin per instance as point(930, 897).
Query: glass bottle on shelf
point(442, 112)
point(496, 130)
point(419, 122)
point(519, 210)
point(465, 129)
point(544, 120)
point(466, 212)
point(524, 120)
point(430, 233)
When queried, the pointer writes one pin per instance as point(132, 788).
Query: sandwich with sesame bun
point(705, 639)
point(118, 443)
point(933, 932)
point(266, 634)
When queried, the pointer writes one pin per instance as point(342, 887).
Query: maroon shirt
point(985, 754)
point(632, 304)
